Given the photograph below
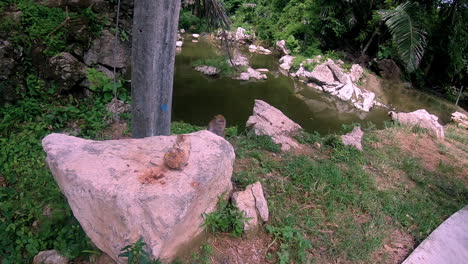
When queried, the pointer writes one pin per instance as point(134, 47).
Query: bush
point(226, 219)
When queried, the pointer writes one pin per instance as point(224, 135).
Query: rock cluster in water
point(329, 77)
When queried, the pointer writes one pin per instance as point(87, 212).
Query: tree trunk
point(153, 56)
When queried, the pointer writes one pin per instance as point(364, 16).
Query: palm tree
point(407, 34)
point(153, 56)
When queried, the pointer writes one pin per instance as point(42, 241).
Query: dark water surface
point(197, 98)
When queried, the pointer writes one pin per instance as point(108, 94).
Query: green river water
point(197, 98)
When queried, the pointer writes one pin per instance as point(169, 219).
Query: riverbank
point(329, 202)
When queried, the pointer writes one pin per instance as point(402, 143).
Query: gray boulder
point(7, 59)
point(422, 119)
point(122, 190)
point(267, 120)
point(50, 257)
point(67, 70)
point(102, 51)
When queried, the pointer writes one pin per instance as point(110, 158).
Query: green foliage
point(407, 34)
point(220, 63)
point(48, 27)
point(136, 254)
point(304, 137)
point(293, 245)
point(30, 186)
point(203, 256)
point(105, 86)
point(183, 128)
point(251, 141)
point(226, 219)
point(190, 22)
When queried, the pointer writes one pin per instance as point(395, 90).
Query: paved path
point(448, 244)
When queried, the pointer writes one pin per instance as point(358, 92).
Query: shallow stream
point(197, 98)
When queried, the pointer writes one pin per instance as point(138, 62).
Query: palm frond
point(409, 38)
point(214, 12)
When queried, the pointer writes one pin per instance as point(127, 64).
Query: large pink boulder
point(422, 119)
point(269, 121)
point(120, 191)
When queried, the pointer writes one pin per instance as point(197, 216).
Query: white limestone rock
point(253, 204)
point(119, 191)
point(422, 119)
point(267, 120)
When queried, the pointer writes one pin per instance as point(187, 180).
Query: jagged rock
point(242, 36)
point(281, 46)
point(14, 16)
point(422, 119)
point(366, 102)
point(356, 72)
point(117, 106)
point(102, 51)
point(388, 69)
point(353, 138)
point(67, 70)
point(254, 205)
point(179, 44)
point(196, 35)
point(50, 257)
point(259, 49)
point(119, 190)
point(286, 62)
point(252, 73)
point(267, 120)
point(238, 59)
point(7, 59)
point(460, 119)
point(208, 70)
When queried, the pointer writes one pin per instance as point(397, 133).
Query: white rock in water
point(254, 205)
point(281, 45)
point(263, 50)
point(422, 119)
point(208, 70)
point(286, 62)
point(196, 35)
point(179, 44)
point(120, 192)
point(262, 70)
point(252, 48)
point(267, 120)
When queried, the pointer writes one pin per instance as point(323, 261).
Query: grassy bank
point(327, 204)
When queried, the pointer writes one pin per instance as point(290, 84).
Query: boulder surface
point(50, 257)
point(353, 138)
point(267, 120)
point(460, 119)
point(254, 205)
point(420, 118)
point(121, 191)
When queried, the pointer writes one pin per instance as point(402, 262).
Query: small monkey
point(177, 157)
point(217, 125)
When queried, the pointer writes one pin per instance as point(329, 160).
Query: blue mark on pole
point(164, 107)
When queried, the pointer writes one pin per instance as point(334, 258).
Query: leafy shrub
point(293, 245)
point(136, 254)
point(226, 219)
point(103, 85)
